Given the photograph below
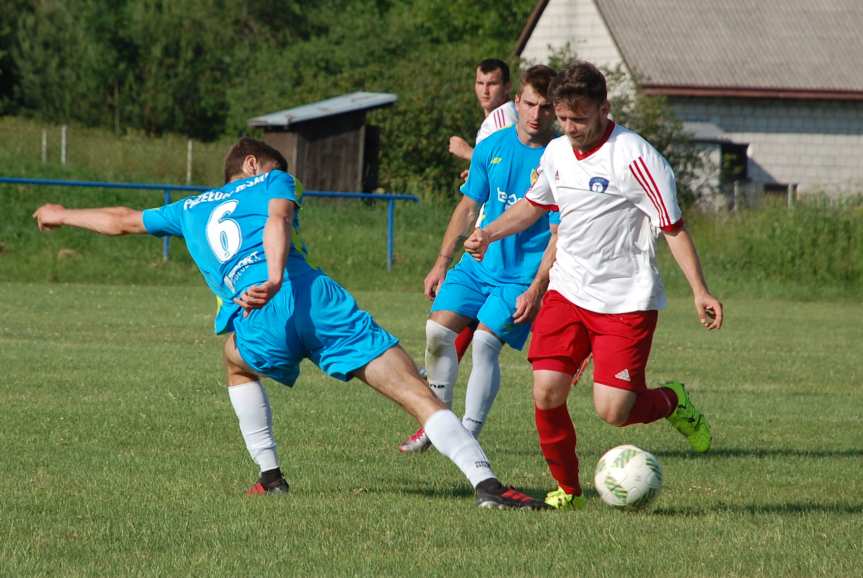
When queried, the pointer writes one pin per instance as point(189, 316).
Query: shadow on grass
point(463, 492)
point(721, 453)
point(760, 509)
point(761, 453)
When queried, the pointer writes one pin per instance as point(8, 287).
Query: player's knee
point(612, 414)
point(439, 338)
point(547, 396)
point(486, 343)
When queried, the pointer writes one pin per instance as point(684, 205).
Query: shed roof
point(352, 102)
point(790, 48)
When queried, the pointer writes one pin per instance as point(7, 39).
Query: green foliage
point(11, 11)
point(204, 67)
point(815, 245)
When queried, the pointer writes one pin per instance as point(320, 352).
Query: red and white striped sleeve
point(540, 192)
point(503, 116)
point(650, 184)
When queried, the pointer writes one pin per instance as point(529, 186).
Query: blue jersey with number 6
point(224, 233)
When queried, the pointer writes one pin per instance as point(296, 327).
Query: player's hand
point(433, 281)
point(49, 217)
point(709, 309)
point(257, 296)
point(477, 244)
point(459, 147)
point(527, 305)
point(463, 175)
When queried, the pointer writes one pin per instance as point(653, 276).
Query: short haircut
point(539, 77)
point(492, 64)
point(579, 81)
point(248, 146)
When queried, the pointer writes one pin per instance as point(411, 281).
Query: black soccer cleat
point(278, 488)
point(494, 495)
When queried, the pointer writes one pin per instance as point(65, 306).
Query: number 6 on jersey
point(223, 234)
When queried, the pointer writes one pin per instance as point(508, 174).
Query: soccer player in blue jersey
point(503, 291)
point(277, 310)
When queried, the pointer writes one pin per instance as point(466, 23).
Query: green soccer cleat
point(560, 500)
point(688, 420)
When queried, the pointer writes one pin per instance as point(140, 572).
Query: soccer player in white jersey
point(492, 87)
point(615, 194)
point(276, 310)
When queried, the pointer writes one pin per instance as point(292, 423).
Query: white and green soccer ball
point(628, 477)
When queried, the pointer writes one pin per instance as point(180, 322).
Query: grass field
point(122, 457)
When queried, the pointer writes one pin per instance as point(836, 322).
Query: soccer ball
point(628, 477)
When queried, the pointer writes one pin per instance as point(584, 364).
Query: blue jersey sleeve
point(476, 186)
point(554, 217)
point(165, 220)
point(281, 185)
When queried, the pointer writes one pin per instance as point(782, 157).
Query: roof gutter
point(751, 92)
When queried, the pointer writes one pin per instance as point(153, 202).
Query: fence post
point(736, 187)
point(44, 145)
point(166, 240)
point(63, 145)
point(391, 217)
point(189, 162)
point(791, 195)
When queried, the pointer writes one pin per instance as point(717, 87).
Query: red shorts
point(564, 335)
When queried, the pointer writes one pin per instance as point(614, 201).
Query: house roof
point(352, 102)
point(764, 48)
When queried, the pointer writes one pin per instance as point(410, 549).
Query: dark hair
point(580, 80)
point(248, 146)
point(539, 77)
point(492, 64)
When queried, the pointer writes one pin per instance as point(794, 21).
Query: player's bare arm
point(516, 219)
point(462, 219)
point(277, 243)
point(708, 307)
point(460, 148)
point(527, 304)
point(103, 220)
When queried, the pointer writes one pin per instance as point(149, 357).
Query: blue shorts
point(465, 293)
point(311, 317)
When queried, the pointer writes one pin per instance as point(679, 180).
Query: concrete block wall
point(816, 144)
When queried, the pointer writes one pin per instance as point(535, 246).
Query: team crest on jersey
point(533, 176)
point(496, 161)
point(598, 184)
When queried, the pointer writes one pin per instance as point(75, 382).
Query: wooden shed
point(327, 144)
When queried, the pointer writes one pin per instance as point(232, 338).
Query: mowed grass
point(121, 454)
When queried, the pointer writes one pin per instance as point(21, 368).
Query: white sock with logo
point(456, 443)
point(441, 360)
point(256, 422)
point(484, 381)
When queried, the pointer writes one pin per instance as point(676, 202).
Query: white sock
point(484, 381)
point(456, 443)
point(441, 360)
point(256, 422)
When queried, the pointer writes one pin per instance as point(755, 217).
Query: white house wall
point(577, 22)
point(816, 144)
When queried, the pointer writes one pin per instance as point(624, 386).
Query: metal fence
point(167, 189)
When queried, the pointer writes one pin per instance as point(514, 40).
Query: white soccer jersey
point(503, 116)
point(613, 201)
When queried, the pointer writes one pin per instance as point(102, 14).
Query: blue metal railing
point(167, 189)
